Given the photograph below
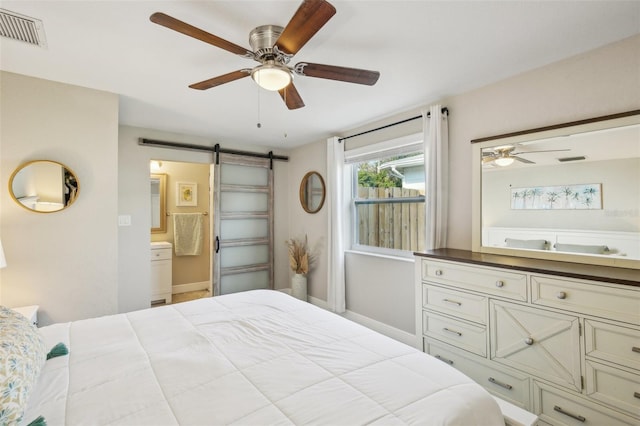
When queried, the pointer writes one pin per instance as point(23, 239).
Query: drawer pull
point(438, 272)
point(457, 333)
point(452, 302)
point(448, 361)
point(499, 283)
point(573, 416)
point(528, 341)
point(635, 349)
point(636, 395)
point(499, 383)
point(561, 295)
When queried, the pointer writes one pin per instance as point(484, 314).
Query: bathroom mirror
point(312, 192)
point(568, 192)
point(158, 203)
point(44, 186)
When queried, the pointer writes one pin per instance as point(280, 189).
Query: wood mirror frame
point(44, 186)
point(312, 192)
point(158, 200)
point(613, 221)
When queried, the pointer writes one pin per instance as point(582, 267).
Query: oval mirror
point(158, 203)
point(44, 186)
point(312, 192)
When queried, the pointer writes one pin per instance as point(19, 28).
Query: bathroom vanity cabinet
point(161, 271)
point(559, 339)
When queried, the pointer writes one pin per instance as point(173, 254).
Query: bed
point(253, 358)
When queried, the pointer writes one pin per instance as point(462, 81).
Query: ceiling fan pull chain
point(259, 125)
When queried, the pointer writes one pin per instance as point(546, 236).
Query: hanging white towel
point(188, 233)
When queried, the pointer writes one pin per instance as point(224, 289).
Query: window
point(388, 196)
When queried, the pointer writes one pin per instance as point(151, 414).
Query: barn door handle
point(217, 244)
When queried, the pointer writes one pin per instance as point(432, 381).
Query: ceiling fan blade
point(522, 160)
point(308, 19)
point(291, 97)
point(186, 29)
point(331, 72)
point(221, 79)
point(487, 159)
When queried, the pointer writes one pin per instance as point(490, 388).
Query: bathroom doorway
point(187, 210)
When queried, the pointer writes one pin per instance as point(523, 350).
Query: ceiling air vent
point(22, 28)
point(566, 159)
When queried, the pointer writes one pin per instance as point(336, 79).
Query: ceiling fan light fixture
point(503, 161)
point(271, 76)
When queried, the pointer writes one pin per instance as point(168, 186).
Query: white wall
point(601, 82)
point(66, 262)
point(133, 193)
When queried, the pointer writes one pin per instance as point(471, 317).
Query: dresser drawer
point(613, 343)
point(614, 386)
point(542, 343)
point(597, 299)
point(493, 281)
point(160, 254)
point(459, 333)
point(512, 387)
point(471, 307)
point(562, 408)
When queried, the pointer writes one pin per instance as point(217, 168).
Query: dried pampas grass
point(298, 255)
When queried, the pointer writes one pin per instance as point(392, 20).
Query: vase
point(299, 286)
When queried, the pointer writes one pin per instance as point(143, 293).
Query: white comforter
point(253, 358)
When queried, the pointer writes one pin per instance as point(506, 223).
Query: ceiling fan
point(273, 47)
point(505, 155)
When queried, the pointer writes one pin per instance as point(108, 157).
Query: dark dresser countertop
point(607, 274)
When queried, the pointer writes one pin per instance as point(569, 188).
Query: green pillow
point(526, 244)
point(579, 248)
point(22, 355)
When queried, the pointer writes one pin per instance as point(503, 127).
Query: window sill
point(408, 258)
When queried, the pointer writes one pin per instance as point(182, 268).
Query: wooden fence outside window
point(396, 225)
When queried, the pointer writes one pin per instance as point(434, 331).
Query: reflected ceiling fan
point(504, 155)
point(273, 47)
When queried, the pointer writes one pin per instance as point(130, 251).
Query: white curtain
point(336, 232)
point(436, 164)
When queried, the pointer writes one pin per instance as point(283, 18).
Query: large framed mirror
point(569, 192)
point(158, 182)
point(312, 192)
point(44, 186)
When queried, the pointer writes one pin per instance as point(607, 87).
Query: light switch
point(124, 220)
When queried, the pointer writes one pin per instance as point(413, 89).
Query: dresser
point(161, 271)
point(559, 339)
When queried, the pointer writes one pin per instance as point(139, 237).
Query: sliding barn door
point(243, 224)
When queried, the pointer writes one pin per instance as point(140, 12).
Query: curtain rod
point(444, 111)
point(214, 149)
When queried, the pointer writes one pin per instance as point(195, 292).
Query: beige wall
point(620, 181)
point(66, 262)
point(600, 82)
point(312, 157)
point(188, 269)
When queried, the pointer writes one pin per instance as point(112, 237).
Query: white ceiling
point(424, 50)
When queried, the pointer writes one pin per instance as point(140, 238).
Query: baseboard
point(184, 288)
point(382, 328)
